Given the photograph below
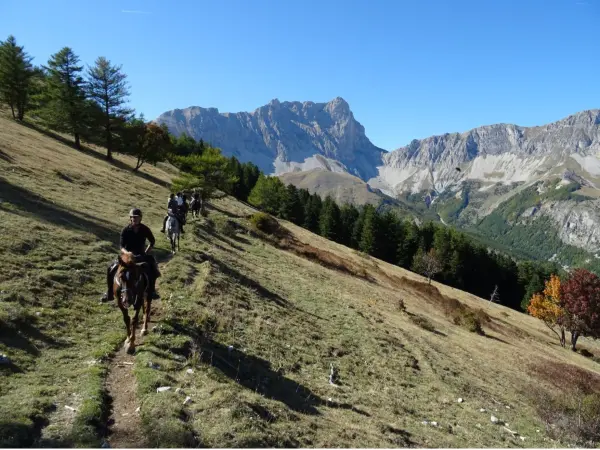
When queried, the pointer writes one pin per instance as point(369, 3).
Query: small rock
point(163, 388)
point(460, 400)
point(190, 371)
point(125, 414)
point(425, 422)
point(482, 410)
point(70, 408)
point(494, 419)
point(522, 438)
point(179, 391)
point(434, 424)
point(230, 348)
point(187, 400)
point(507, 407)
point(137, 410)
point(37, 313)
point(152, 365)
point(537, 431)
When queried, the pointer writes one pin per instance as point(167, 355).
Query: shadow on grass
point(244, 280)
point(216, 235)
point(210, 206)
point(15, 434)
point(256, 374)
point(494, 338)
point(35, 205)
point(87, 151)
point(5, 157)
point(23, 336)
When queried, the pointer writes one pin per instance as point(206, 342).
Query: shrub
point(571, 417)
point(264, 222)
point(400, 305)
point(227, 228)
point(422, 322)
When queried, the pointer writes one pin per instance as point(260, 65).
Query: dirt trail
point(124, 427)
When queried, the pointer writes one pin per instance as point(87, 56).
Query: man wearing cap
point(133, 239)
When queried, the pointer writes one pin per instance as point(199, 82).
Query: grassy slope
point(60, 214)
point(286, 317)
point(344, 188)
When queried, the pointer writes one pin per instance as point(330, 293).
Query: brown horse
point(130, 287)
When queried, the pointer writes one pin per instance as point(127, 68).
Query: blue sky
point(408, 68)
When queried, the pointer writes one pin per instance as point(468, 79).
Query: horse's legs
point(134, 323)
point(147, 304)
point(127, 323)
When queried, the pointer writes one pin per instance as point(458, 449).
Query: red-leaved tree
point(580, 297)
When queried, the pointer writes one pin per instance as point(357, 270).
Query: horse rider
point(133, 239)
point(185, 207)
point(173, 206)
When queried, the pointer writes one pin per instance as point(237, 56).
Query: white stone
point(187, 400)
point(494, 419)
point(460, 400)
point(190, 371)
point(163, 389)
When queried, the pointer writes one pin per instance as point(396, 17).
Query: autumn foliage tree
point(546, 306)
point(580, 296)
point(148, 142)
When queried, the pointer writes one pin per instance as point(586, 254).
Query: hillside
point(248, 327)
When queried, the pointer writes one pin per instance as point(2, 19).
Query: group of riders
point(135, 234)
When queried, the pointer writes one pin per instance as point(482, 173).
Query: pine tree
point(235, 168)
point(16, 73)
point(292, 209)
point(357, 229)
point(348, 217)
point(64, 107)
point(267, 194)
point(389, 237)
point(312, 212)
point(250, 175)
point(329, 220)
point(370, 231)
point(107, 86)
point(409, 244)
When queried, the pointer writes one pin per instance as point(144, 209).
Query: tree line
point(92, 105)
point(437, 251)
point(89, 104)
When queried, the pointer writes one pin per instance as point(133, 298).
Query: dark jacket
point(136, 242)
point(173, 206)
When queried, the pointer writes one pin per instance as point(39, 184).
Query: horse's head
point(127, 277)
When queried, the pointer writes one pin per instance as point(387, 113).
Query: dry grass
point(260, 322)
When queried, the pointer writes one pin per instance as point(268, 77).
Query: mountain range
point(496, 180)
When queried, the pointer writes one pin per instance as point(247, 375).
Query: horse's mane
point(128, 258)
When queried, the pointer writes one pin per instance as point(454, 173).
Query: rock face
point(472, 172)
point(577, 223)
point(495, 154)
point(285, 136)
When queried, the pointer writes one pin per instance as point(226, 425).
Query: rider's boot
point(110, 275)
point(152, 291)
point(162, 230)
